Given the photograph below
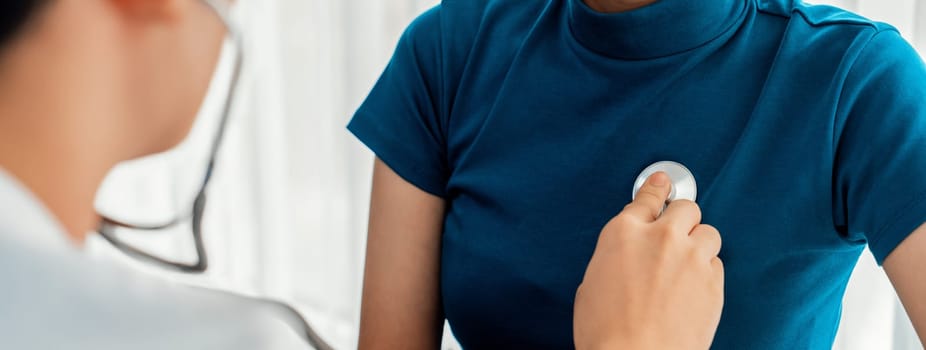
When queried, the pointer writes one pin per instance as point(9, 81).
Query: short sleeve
point(880, 176)
point(400, 119)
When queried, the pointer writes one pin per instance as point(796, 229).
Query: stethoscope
point(108, 225)
point(683, 181)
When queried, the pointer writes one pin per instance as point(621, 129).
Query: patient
point(521, 126)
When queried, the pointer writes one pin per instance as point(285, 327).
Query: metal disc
point(683, 181)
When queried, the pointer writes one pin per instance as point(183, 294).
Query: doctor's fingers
point(651, 198)
point(707, 240)
point(718, 269)
point(681, 216)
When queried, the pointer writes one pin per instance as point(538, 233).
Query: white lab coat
point(52, 296)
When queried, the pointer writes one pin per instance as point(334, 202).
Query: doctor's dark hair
point(14, 14)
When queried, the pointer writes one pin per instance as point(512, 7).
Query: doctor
point(86, 84)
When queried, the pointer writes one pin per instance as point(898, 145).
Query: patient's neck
point(613, 6)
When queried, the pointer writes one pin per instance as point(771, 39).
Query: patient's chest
point(538, 172)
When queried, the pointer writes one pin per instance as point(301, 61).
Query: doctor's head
point(130, 73)
point(86, 84)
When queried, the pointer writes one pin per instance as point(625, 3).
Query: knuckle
point(709, 228)
point(714, 235)
point(695, 258)
point(708, 238)
point(620, 221)
point(684, 211)
point(662, 228)
point(628, 206)
point(638, 210)
point(649, 193)
point(667, 241)
point(619, 226)
point(696, 209)
point(710, 232)
point(671, 216)
point(629, 209)
point(691, 207)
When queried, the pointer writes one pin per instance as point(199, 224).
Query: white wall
point(288, 208)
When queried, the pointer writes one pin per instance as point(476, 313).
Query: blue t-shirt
point(805, 127)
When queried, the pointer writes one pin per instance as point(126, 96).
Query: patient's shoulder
point(820, 16)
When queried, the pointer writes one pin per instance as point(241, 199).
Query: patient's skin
point(612, 6)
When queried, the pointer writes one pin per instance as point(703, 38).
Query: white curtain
point(287, 216)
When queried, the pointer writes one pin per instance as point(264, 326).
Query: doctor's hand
point(654, 281)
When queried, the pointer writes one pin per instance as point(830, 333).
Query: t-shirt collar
point(663, 28)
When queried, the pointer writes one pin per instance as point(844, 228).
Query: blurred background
point(288, 206)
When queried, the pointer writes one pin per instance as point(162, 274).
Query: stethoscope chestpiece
point(683, 181)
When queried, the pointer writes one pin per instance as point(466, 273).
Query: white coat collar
point(25, 219)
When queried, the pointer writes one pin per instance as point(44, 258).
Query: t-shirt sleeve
point(880, 177)
point(400, 120)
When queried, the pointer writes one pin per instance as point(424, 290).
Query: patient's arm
point(906, 267)
point(401, 285)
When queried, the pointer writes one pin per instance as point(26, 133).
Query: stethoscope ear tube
point(108, 226)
